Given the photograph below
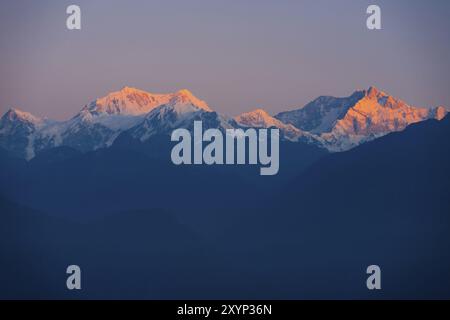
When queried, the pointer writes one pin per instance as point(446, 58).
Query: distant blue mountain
point(133, 175)
point(142, 228)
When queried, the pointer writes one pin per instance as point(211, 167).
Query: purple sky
point(236, 55)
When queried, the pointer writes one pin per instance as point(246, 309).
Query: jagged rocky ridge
point(337, 124)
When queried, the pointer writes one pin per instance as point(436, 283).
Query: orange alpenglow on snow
point(336, 124)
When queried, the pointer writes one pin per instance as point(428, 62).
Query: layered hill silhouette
point(309, 236)
point(99, 190)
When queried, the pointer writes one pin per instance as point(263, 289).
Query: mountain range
point(334, 124)
point(153, 230)
point(99, 190)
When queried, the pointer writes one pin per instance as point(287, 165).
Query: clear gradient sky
point(236, 55)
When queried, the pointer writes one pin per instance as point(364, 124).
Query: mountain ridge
point(344, 123)
point(335, 124)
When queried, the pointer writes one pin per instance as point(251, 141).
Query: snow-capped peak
point(374, 92)
point(440, 112)
point(258, 118)
point(17, 132)
point(128, 101)
point(373, 116)
point(343, 123)
point(14, 114)
point(135, 102)
point(185, 98)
